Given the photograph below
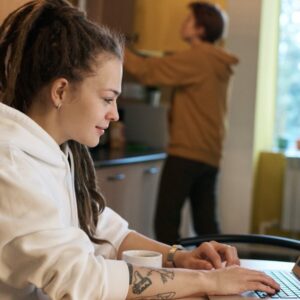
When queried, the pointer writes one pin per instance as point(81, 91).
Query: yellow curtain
point(268, 195)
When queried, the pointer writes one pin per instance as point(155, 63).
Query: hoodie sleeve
point(177, 69)
point(37, 248)
point(113, 229)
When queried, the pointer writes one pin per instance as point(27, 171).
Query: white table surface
point(266, 264)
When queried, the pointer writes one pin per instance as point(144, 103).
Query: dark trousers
point(181, 179)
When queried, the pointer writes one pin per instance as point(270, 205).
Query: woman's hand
point(235, 280)
point(207, 256)
point(151, 283)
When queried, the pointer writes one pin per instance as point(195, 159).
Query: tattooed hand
point(149, 283)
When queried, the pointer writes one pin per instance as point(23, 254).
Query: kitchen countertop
point(104, 157)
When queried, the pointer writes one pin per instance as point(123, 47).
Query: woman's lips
point(100, 130)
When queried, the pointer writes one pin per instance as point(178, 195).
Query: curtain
point(291, 195)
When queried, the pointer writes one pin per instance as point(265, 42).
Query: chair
point(252, 246)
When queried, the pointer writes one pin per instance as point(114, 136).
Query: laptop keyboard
point(290, 285)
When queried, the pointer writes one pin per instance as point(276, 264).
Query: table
point(266, 264)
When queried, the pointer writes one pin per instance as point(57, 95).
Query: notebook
point(289, 282)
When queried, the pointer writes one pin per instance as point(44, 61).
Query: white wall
point(236, 178)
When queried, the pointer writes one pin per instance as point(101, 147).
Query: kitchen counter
point(104, 157)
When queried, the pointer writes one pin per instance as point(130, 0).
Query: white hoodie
point(41, 244)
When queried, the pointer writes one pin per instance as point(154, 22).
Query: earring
point(58, 106)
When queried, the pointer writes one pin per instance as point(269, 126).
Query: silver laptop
point(289, 282)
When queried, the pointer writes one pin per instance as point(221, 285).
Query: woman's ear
point(59, 89)
point(200, 31)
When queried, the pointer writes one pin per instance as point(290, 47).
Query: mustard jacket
point(201, 76)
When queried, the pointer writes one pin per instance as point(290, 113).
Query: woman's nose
point(113, 114)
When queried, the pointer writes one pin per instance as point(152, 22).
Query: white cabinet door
point(149, 188)
point(131, 191)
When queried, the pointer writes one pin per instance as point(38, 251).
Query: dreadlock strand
point(86, 187)
point(16, 55)
point(8, 35)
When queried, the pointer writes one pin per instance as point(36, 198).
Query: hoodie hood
point(17, 129)
point(224, 57)
point(220, 60)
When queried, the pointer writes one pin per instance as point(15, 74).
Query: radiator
point(291, 195)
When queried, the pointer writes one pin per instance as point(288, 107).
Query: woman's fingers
point(231, 256)
point(267, 280)
point(228, 253)
point(234, 280)
point(200, 264)
point(216, 252)
point(265, 288)
point(257, 280)
point(208, 251)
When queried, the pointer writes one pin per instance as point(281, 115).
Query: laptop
point(289, 282)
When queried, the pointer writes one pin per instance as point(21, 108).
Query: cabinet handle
point(151, 171)
point(116, 177)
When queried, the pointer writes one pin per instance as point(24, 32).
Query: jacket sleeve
point(37, 248)
point(172, 70)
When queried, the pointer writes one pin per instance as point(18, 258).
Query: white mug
point(144, 258)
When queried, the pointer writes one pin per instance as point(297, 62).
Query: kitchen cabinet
point(115, 14)
point(7, 6)
point(131, 191)
point(157, 24)
point(154, 25)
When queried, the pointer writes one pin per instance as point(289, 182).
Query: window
point(287, 114)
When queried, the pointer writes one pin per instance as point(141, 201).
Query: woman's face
point(91, 105)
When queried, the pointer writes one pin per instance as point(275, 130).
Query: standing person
point(201, 77)
point(60, 76)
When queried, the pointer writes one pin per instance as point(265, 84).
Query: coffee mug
point(144, 258)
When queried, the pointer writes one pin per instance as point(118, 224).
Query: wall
point(236, 178)
point(7, 6)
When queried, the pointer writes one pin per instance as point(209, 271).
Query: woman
point(60, 76)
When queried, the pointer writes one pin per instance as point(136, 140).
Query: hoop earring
point(58, 106)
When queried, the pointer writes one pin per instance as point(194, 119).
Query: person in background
point(201, 77)
point(60, 76)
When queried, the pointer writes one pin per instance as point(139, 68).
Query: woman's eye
point(108, 100)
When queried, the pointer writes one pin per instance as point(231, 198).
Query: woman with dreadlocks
point(60, 76)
